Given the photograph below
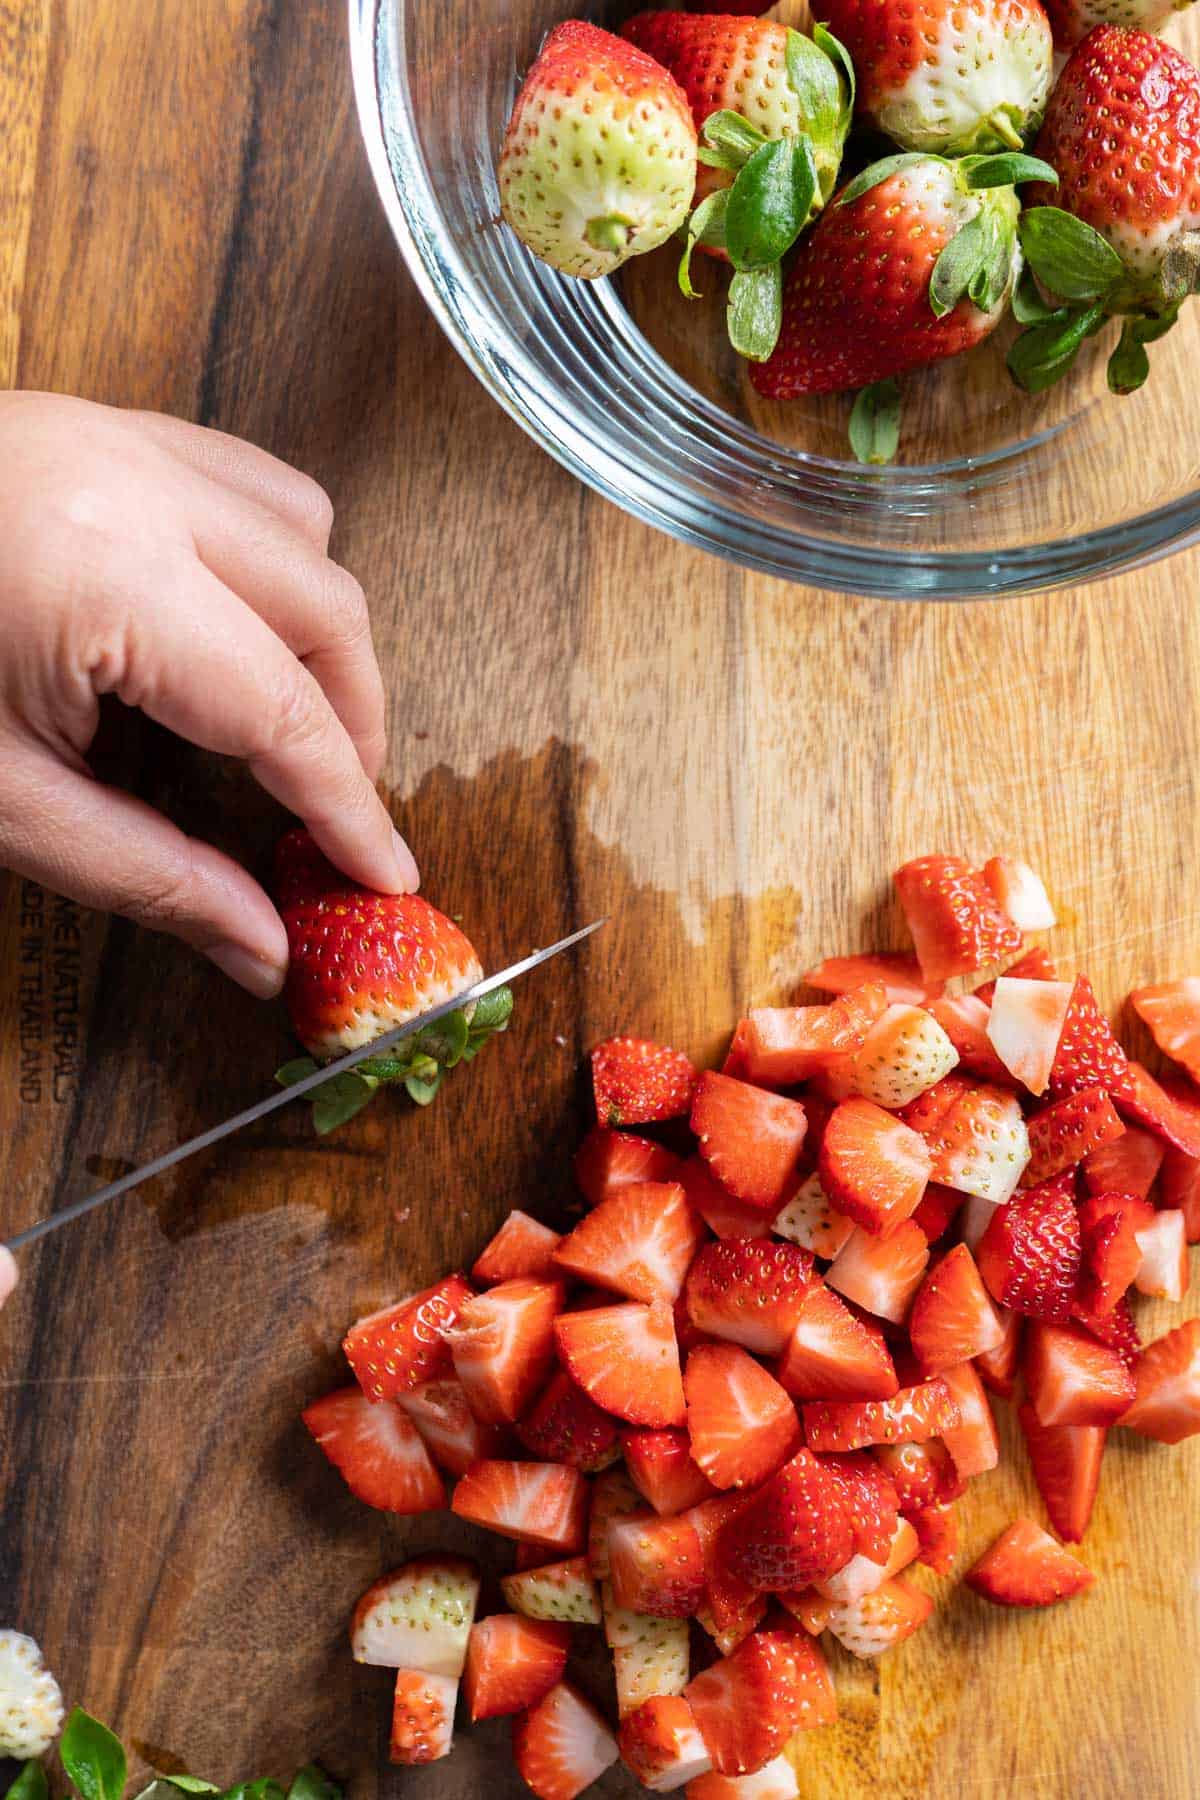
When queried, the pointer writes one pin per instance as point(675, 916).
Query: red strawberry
point(1066, 1466)
point(1181, 1189)
point(562, 1745)
point(454, 1437)
point(880, 1620)
point(872, 1166)
point(724, 1216)
point(1073, 1380)
point(662, 1468)
point(787, 1044)
point(741, 1423)
point(661, 1744)
point(1089, 1056)
point(998, 1367)
point(537, 1503)
point(751, 1140)
point(361, 963)
point(809, 1607)
point(749, 1291)
point(563, 1592)
point(956, 925)
point(835, 1355)
point(422, 1717)
point(815, 1693)
point(565, 1426)
point(1170, 1108)
point(397, 1349)
point(1061, 1135)
point(936, 1529)
point(613, 1496)
point(656, 1566)
point(1163, 1270)
point(639, 1241)
point(637, 1081)
point(952, 1317)
point(1030, 1254)
point(976, 1137)
point(1025, 1567)
point(862, 1575)
point(522, 1249)
point(1116, 1329)
point(512, 1663)
point(1111, 1254)
point(923, 1475)
point(964, 1019)
point(1025, 1026)
point(938, 1210)
point(748, 1705)
point(794, 1531)
point(1128, 1165)
point(607, 1160)
point(972, 1443)
point(809, 1220)
point(627, 1359)
point(732, 1608)
point(1171, 1009)
point(899, 976)
point(881, 1274)
point(418, 1617)
point(502, 1343)
point(872, 1502)
point(912, 1416)
point(379, 1453)
point(1166, 1403)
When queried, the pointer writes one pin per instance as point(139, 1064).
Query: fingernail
point(261, 978)
point(8, 1273)
point(406, 863)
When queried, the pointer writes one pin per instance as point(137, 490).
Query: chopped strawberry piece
point(899, 975)
point(1116, 1329)
point(952, 1317)
point(522, 1249)
point(1020, 893)
point(1025, 1567)
point(607, 1160)
point(1073, 1380)
point(1089, 1056)
point(936, 1529)
point(749, 1291)
point(835, 1355)
point(651, 1657)
point(939, 1208)
point(862, 1574)
point(750, 1139)
point(512, 1663)
point(538, 1503)
point(872, 1502)
point(783, 1045)
point(976, 1136)
point(1111, 1254)
point(964, 1019)
point(1025, 1025)
point(776, 1780)
point(1063, 1133)
point(377, 1450)
point(1030, 1254)
point(662, 1468)
point(732, 1608)
point(639, 1241)
point(454, 1437)
point(562, 1591)
point(1128, 1165)
point(794, 1531)
point(565, 1425)
point(397, 1349)
point(418, 1617)
point(637, 1081)
point(627, 1359)
point(613, 1497)
point(724, 1216)
point(1166, 1403)
point(881, 1274)
point(661, 1744)
point(998, 1367)
point(748, 1705)
point(735, 1056)
point(810, 1607)
point(741, 1422)
point(973, 1442)
point(809, 1220)
point(912, 1415)
point(872, 1167)
point(1170, 1108)
point(562, 1745)
point(502, 1344)
point(904, 1053)
point(957, 928)
point(1066, 1466)
point(1172, 1011)
point(656, 1566)
point(880, 1620)
point(1163, 1270)
point(422, 1717)
point(1180, 1188)
point(923, 1475)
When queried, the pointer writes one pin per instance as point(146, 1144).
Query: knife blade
point(378, 1047)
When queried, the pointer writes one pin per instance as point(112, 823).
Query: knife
point(378, 1047)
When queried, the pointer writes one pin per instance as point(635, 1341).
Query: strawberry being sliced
point(613, 1496)
point(662, 1468)
point(1024, 1027)
point(973, 1443)
point(522, 1249)
point(512, 1663)
point(562, 1744)
point(880, 1620)
point(748, 1705)
point(912, 1415)
point(403, 1345)
point(976, 1137)
point(958, 930)
point(1066, 1466)
point(1166, 1403)
point(833, 1354)
point(936, 1531)
point(502, 1344)
point(724, 1216)
point(537, 1503)
point(749, 1291)
point(637, 1081)
point(939, 1208)
point(607, 1160)
point(1073, 1380)
point(750, 1139)
point(661, 1744)
point(795, 1530)
point(905, 1052)
point(899, 976)
point(422, 1717)
point(627, 1359)
point(809, 1220)
point(418, 1617)
point(1128, 1165)
point(872, 1166)
point(639, 1242)
point(741, 1423)
point(1171, 1009)
point(1025, 1567)
point(656, 1566)
point(454, 1437)
point(1020, 892)
point(1170, 1108)
point(1089, 1055)
point(775, 1781)
point(1111, 1251)
point(1030, 1254)
point(377, 1450)
point(998, 1367)
point(952, 1317)
point(881, 1274)
point(650, 1656)
point(1163, 1270)
point(563, 1592)
point(923, 1475)
point(964, 1019)
point(564, 1425)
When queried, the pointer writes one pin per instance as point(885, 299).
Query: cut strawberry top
point(637, 1081)
point(956, 925)
point(378, 1451)
point(512, 1663)
point(562, 1745)
point(537, 1503)
point(502, 1344)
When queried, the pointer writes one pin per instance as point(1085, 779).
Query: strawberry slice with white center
point(750, 1139)
point(661, 1744)
point(1128, 1165)
point(565, 1425)
point(403, 1345)
point(973, 1443)
point(638, 1242)
point(724, 1216)
point(662, 1468)
point(637, 1081)
point(563, 1592)
point(562, 1744)
point(522, 1249)
point(536, 1503)
point(1025, 1567)
point(422, 1718)
point(960, 933)
point(627, 1359)
point(741, 1423)
point(607, 1160)
point(502, 1345)
point(749, 1291)
point(1066, 1466)
point(899, 976)
point(977, 1138)
point(904, 1053)
point(748, 1705)
point(1030, 1254)
point(650, 1655)
point(1024, 1027)
point(1166, 1402)
point(794, 1531)
point(775, 1781)
point(881, 1274)
point(377, 1450)
point(454, 1437)
point(1073, 1380)
point(512, 1663)
point(913, 1415)
point(656, 1566)
point(880, 1620)
point(862, 1575)
point(811, 1221)
point(833, 1354)
point(965, 1021)
point(418, 1617)
point(1171, 1009)
point(613, 1496)
point(872, 1166)
point(952, 1317)
point(1020, 892)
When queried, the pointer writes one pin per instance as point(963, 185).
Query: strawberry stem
point(610, 233)
point(1004, 129)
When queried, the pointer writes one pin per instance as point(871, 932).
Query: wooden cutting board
point(585, 718)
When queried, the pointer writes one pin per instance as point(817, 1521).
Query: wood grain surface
point(585, 717)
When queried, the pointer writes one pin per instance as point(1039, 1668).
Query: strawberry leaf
point(769, 203)
point(1043, 355)
point(296, 1070)
point(731, 140)
point(814, 80)
point(445, 1041)
point(1028, 306)
point(30, 1783)
point(1128, 366)
point(962, 259)
point(755, 311)
point(991, 282)
point(875, 423)
point(1005, 169)
point(1066, 255)
point(191, 1784)
point(423, 1088)
point(837, 53)
point(92, 1757)
point(337, 1100)
point(880, 171)
point(312, 1783)
point(706, 226)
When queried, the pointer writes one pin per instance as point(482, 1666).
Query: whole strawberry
point(599, 159)
point(1123, 132)
point(941, 76)
point(1071, 20)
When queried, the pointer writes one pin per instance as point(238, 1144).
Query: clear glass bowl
point(633, 390)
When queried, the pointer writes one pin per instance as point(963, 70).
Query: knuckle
point(313, 505)
point(297, 721)
point(345, 605)
point(165, 898)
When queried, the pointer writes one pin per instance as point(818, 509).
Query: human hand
point(185, 572)
point(8, 1273)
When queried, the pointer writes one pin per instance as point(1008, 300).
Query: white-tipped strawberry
point(862, 1575)
point(422, 1717)
point(31, 1702)
point(977, 1136)
point(905, 1052)
point(810, 1220)
point(880, 1620)
point(562, 1590)
point(1024, 1027)
point(599, 160)
point(1020, 892)
point(418, 1617)
point(650, 1655)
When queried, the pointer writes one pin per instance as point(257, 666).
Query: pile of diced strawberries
point(747, 1390)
